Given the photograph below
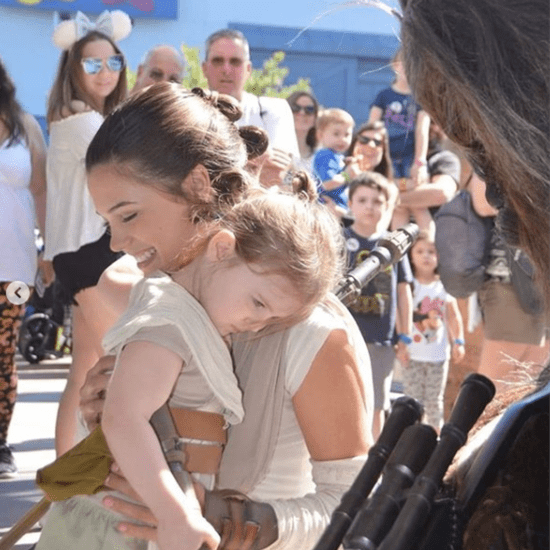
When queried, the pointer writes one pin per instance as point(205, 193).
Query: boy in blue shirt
point(385, 303)
point(334, 133)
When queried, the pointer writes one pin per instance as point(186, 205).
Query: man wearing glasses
point(227, 67)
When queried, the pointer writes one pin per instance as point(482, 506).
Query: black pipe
point(376, 516)
point(405, 412)
point(475, 392)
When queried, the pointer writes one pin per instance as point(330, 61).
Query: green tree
point(267, 81)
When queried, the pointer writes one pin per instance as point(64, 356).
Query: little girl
point(436, 323)
point(266, 262)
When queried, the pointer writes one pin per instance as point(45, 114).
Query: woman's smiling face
point(372, 151)
point(146, 223)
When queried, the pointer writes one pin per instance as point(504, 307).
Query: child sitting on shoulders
point(334, 133)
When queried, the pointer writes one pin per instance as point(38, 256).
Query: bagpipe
point(399, 500)
point(411, 508)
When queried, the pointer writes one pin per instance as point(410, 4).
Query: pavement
point(31, 436)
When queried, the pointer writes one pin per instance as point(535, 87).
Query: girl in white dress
point(90, 82)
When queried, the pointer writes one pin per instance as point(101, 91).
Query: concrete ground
point(31, 435)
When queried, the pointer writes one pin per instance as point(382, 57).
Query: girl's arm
point(141, 383)
point(404, 316)
point(455, 328)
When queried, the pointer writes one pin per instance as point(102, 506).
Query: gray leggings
point(426, 381)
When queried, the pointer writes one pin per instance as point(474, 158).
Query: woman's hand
point(92, 393)
point(46, 271)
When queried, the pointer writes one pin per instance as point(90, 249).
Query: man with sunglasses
point(162, 63)
point(227, 67)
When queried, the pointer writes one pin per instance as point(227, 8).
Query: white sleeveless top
point(71, 219)
point(18, 254)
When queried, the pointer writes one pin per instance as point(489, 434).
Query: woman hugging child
point(266, 262)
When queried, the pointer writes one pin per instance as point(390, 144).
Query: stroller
point(46, 329)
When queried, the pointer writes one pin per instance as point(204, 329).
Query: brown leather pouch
point(201, 458)
point(243, 524)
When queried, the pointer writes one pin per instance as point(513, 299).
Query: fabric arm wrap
point(301, 521)
point(243, 524)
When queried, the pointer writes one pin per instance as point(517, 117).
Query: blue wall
point(31, 58)
point(345, 69)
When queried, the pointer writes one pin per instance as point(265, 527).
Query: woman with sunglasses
point(90, 82)
point(369, 151)
point(305, 107)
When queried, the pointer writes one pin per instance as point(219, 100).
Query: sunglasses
point(308, 109)
point(366, 140)
point(92, 65)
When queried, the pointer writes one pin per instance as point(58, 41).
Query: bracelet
point(346, 176)
point(405, 338)
point(419, 162)
point(459, 341)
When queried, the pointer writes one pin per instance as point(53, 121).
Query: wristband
point(418, 162)
point(405, 338)
point(346, 176)
point(459, 341)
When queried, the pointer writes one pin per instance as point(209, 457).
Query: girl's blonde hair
point(68, 81)
point(284, 233)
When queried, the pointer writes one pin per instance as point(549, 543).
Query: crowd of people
point(197, 235)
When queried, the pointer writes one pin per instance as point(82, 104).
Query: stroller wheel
point(36, 337)
point(34, 352)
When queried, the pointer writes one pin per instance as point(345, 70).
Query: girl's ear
point(221, 246)
point(198, 184)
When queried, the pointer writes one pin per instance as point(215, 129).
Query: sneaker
point(7, 462)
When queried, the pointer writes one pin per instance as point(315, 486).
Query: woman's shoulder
point(76, 112)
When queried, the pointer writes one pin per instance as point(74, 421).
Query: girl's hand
point(146, 529)
point(457, 353)
point(402, 353)
point(190, 532)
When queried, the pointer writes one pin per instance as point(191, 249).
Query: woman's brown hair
point(482, 71)
point(11, 114)
point(161, 133)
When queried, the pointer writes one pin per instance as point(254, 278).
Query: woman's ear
point(197, 184)
point(221, 246)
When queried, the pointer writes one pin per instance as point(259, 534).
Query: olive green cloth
point(80, 471)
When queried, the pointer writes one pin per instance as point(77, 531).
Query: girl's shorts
point(82, 269)
point(504, 318)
